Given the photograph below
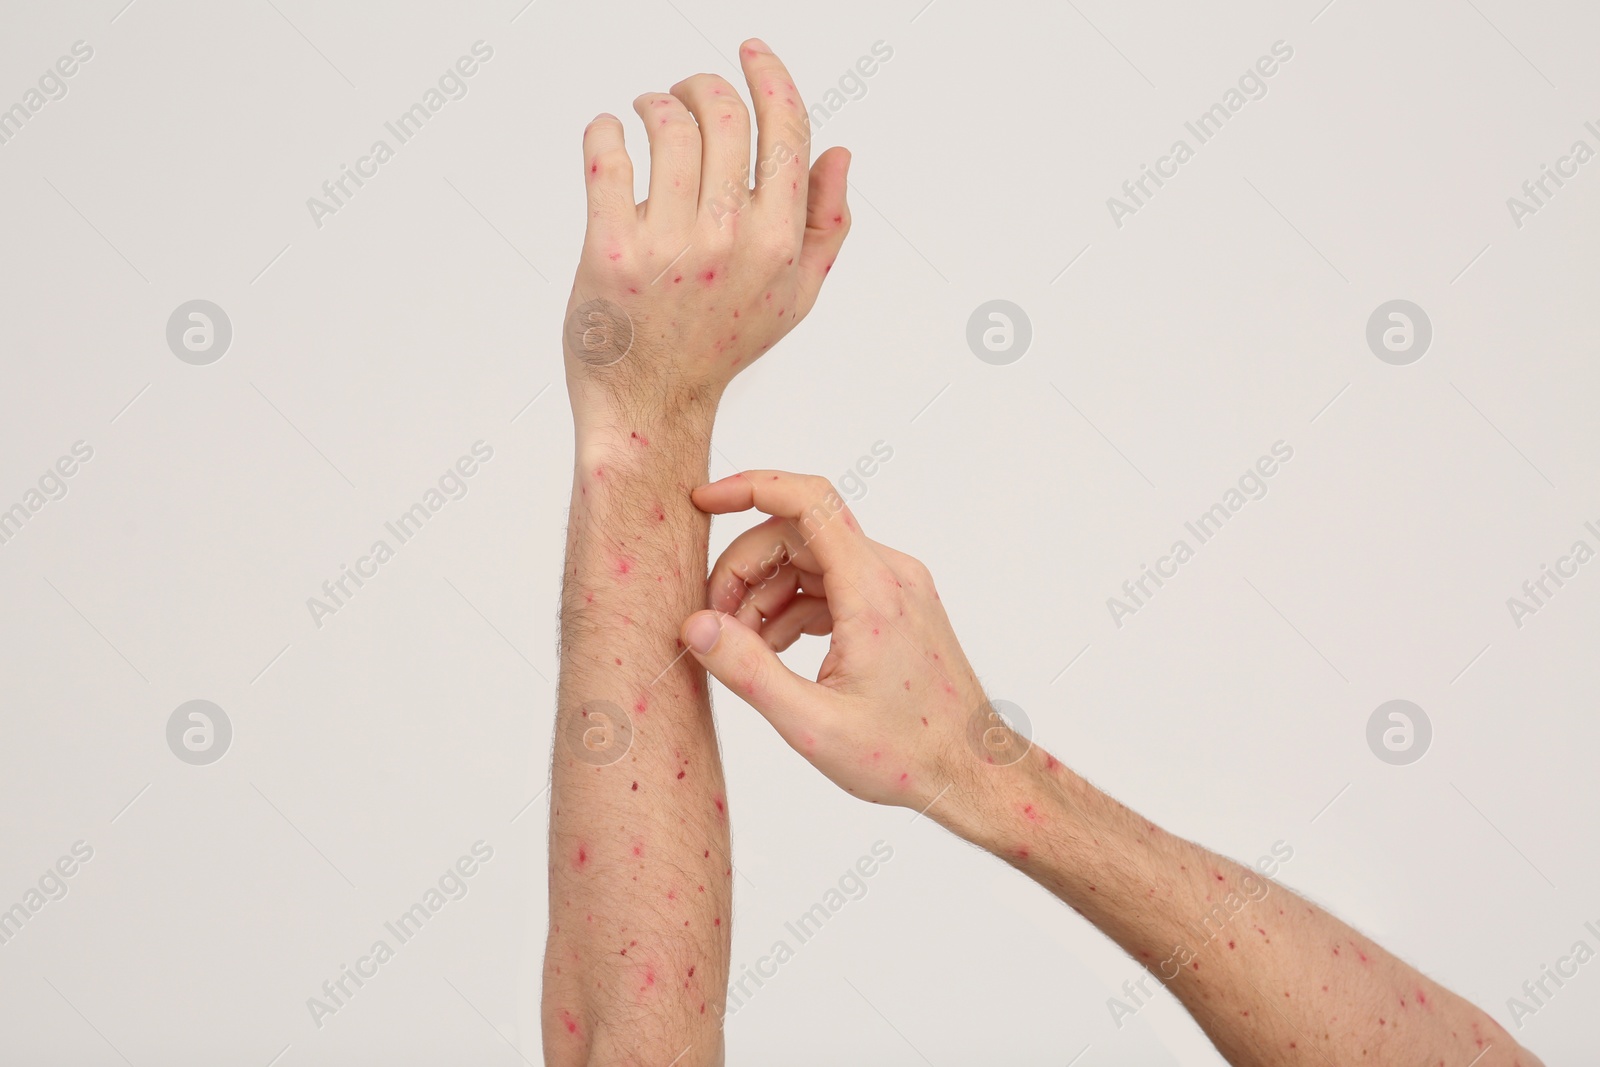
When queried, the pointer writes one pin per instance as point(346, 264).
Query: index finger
point(783, 140)
point(821, 519)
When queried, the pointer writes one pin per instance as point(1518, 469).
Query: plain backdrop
point(1171, 347)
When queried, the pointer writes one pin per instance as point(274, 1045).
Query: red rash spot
point(583, 856)
point(717, 800)
point(594, 168)
point(706, 854)
point(679, 278)
point(708, 276)
point(643, 441)
point(1230, 944)
point(613, 257)
point(623, 566)
point(794, 187)
point(691, 972)
point(1027, 809)
point(924, 720)
point(1196, 966)
point(907, 684)
point(904, 776)
point(716, 922)
point(827, 268)
point(599, 472)
point(640, 704)
point(1022, 853)
point(632, 290)
point(1050, 763)
point(838, 219)
point(636, 787)
point(681, 773)
point(619, 660)
point(735, 314)
point(569, 1022)
point(588, 598)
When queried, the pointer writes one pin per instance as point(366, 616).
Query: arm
point(671, 299)
point(896, 716)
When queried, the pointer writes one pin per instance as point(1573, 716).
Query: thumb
point(742, 660)
point(827, 222)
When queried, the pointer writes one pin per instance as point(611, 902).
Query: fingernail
point(704, 630)
point(756, 44)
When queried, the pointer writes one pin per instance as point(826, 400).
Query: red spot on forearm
point(581, 860)
point(569, 1022)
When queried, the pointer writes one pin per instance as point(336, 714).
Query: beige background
point(1168, 354)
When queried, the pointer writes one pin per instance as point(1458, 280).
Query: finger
point(821, 521)
point(755, 557)
point(803, 615)
point(768, 597)
point(724, 136)
point(609, 175)
point(783, 142)
point(827, 223)
point(674, 161)
point(738, 658)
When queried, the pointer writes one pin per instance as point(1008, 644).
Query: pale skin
point(896, 716)
point(672, 298)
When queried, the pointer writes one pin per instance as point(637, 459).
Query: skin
point(896, 716)
point(672, 298)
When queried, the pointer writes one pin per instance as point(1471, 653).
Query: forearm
point(1270, 977)
point(640, 878)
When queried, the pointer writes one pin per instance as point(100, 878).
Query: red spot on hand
point(636, 786)
point(583, 857)
point(708, 276)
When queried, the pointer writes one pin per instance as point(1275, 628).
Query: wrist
point(650, 428)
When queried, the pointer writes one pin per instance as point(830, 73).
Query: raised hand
point(676, 295)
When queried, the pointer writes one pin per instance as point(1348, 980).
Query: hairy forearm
point(1270, 977)
point(640, 874)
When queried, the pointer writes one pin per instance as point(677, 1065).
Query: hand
point(675, 296)
point(896, 714)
